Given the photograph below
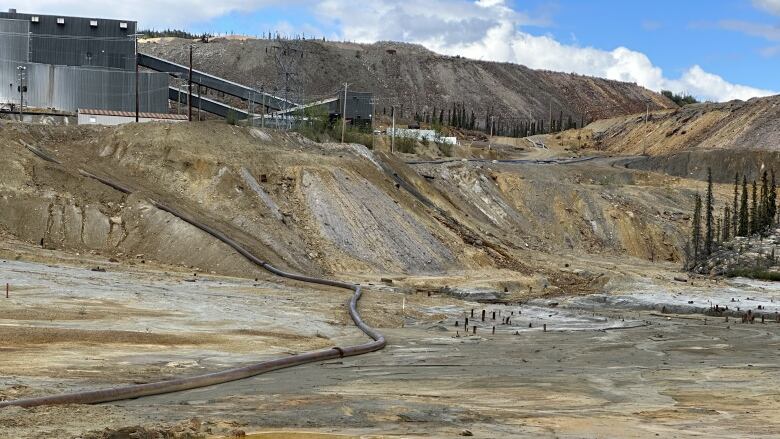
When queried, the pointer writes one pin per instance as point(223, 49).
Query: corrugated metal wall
point(358, 105)
point(77, 43)
point(14, 40)
point(70, 88)
point(58, 74)
point(100, 89)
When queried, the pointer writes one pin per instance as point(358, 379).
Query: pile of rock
point(743, 253)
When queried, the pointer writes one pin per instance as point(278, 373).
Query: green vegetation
point(755, 273)
point(445, 148)
point(754, 214)
point(680, 99)
point(176, 33)
point(231, 118)
point(317, 126)
point(406, 145)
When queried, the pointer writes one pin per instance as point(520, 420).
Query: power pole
point(344, 114)
point(262, 121)
point(392, 137)
point(491, 131)
point(189, 90)
point(551, 119)
point(22, 86)
point(137, 75)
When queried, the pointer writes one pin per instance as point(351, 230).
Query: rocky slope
point(411, 76)
point(751, 125)
point(321, 207)
point(731, 137)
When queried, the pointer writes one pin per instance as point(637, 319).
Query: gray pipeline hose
point(210, 379)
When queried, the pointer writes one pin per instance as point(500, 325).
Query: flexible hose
point(210, 379)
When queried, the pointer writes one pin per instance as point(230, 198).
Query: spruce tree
point(718, 222)
point(696, 229)
point(726, 233)
point(709, 235)
point(763, 204)
point(754, 210)
point(735, 207)
point(772, 214)
point(744, 217)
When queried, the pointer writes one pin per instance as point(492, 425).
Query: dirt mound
point(415, 78)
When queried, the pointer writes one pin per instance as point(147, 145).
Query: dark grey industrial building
point(359, 107)
point(69, 63)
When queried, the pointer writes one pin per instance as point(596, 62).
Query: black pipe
point(210, 379)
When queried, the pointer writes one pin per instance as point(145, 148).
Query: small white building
point(109, 117)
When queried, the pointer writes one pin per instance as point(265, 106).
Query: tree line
point(458, 115)
point(753, 211)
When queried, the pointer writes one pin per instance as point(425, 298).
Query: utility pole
point(491, 131)
point(392, 137)
point(137, 74)
point(262, 121)
point(551, 119)
point(189, 90)
point(344, 114)
point(647, 111)
point(22, 88)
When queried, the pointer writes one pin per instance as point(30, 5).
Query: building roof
point(132, 114)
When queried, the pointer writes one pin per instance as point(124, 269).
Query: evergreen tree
point(726, 233)
point(754, 209)
point(735, 207)
point(772, 213)
point(718, 222)
point(709, 235)
point(744, 218)
point(696, 229)
point(763, 204)
point(441, 117)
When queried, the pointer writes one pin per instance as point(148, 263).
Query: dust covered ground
point(606, 366)
point(106, 289)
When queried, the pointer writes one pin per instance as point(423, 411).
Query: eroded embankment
point(323, 208)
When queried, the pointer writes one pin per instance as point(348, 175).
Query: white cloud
point(771, 6)
point(501, 38)
point(480, 29)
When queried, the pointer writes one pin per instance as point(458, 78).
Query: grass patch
point(755, 273)
point(406, 145)
point(445, 148)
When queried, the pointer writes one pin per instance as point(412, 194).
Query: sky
point(716, 50)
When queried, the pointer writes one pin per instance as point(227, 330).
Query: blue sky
point(716, 49)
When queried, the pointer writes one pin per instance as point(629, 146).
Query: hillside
point(754, 124)
point(729, 137)
point(412, 76)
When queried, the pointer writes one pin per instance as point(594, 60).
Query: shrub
point(405, 145)
point(445, 148)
